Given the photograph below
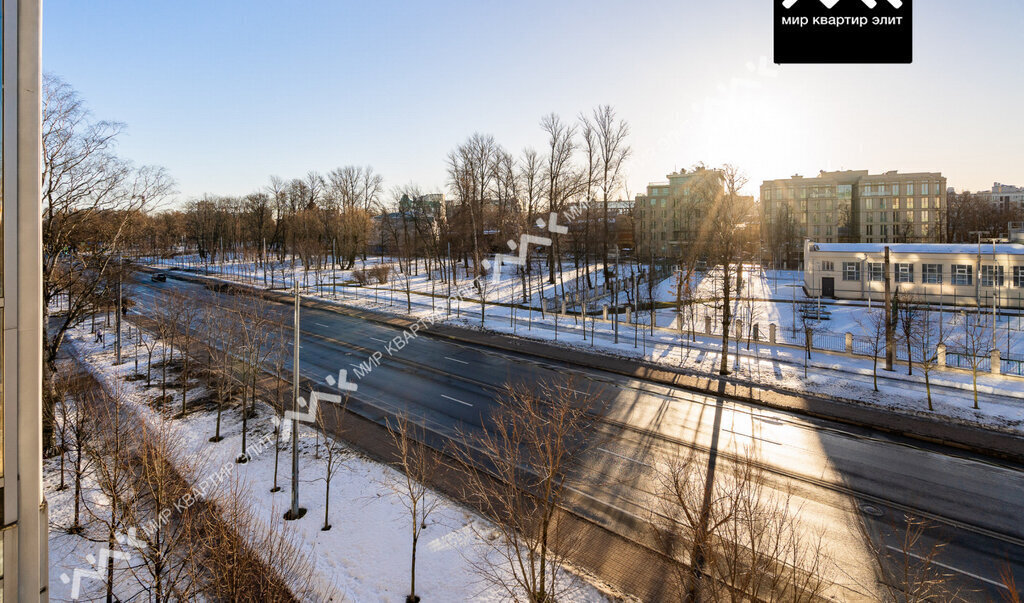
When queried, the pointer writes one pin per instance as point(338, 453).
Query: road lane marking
point(949, 567)
point(320, 324)
point(753, 437)
point(457, 400)
point(622, 456)
point(380, 340)
point(455, 360)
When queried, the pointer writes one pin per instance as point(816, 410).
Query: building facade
point(668, 216)
point(24, 565)
point(951, 274)
point(1004, 196)
point(857, 207)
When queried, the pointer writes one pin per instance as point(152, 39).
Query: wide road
point(854, 487)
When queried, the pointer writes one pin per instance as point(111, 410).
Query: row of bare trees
point(136, 492)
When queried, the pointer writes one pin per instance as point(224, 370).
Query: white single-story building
point(957, 274)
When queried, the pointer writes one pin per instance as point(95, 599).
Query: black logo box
point(849, 32)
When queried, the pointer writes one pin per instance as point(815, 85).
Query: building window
point(876, 271)
point(869, 230)
point(931, 274)
point(910, 188)
point(991, 276)
point(904, 273)
point(961, 274)
point(867, 203)
point(924, 188)
point(663, 202)
point(1018, 276)
point(851, 271)
point(828, 267)
point(924, 215)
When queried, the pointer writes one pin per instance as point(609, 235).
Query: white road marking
point(753, 437)
point(949, 567)
point(624, 457)
point(380, 340)
point(456, 400)
point(455, 360)
point(320, 324)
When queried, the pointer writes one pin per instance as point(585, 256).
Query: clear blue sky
point(224, 94)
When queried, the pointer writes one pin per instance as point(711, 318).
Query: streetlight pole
point(294, 513)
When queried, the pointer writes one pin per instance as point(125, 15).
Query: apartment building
point(1004, 196)
point(668, 216)
point(23, 517)
point(854, 206)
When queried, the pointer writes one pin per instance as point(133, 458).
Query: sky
point(225, 94)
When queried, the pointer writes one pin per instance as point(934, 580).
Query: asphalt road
point(855, 487)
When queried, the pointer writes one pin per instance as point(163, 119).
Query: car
point(159, 277)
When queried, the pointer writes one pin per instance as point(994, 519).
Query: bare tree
point(735, 536)
point(186, 312)
point(721, 237)
point(928, 338)
point(872, 324)
point(417, 464)
point(914, 572)
point(170, 550)
point(976, 340)
point(335, 454)
point(530, 444)
point(112, 459)
point(91, 199)
point(611, 136)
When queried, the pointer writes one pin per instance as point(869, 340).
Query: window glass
point(961, 274)
point(851, 271)
point(876, 271)
point(904, 273)
point(931, 273)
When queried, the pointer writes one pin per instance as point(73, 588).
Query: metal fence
point(966, 361)
point(824, 340)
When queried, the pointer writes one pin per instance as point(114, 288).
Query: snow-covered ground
point(365, 554)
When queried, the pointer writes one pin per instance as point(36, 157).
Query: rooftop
point(920, 248)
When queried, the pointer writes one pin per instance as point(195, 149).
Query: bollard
point(604, 311)
point(757, 334)
point(739, 329)
point(707, 325)
point(940, 355)
point(771, 333)
point(996, 362)
point(629, 315)
point(849, 343)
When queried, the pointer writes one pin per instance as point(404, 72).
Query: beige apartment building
point(966, 274)
point(854, 206)
point(669, 216)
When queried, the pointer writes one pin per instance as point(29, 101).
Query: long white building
point(961, 274)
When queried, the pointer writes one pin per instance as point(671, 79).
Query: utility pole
point(889, 322)
point(977, 271)
point(294, 512)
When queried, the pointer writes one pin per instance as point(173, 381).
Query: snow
point(363, 557)
point(919, 248)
